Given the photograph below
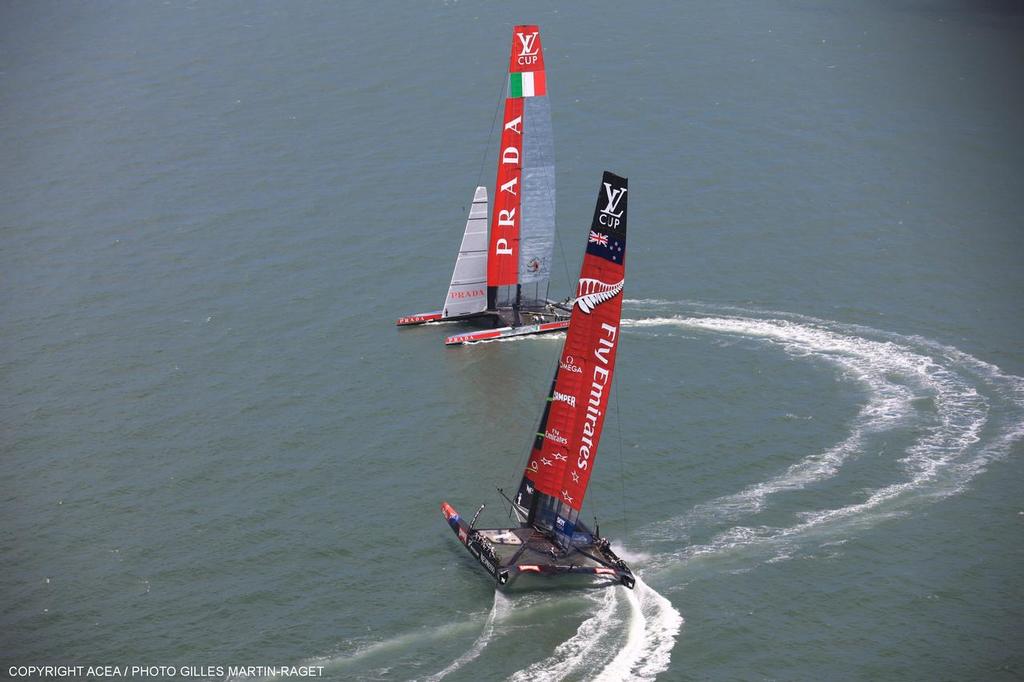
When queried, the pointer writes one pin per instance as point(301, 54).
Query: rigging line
point(494, 119)
point(545, 388)
point(558, 234)
point(622, 466)
point(565, 262)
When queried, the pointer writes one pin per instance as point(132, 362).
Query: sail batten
point(563, 454)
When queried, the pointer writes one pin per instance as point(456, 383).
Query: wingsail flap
point(537, 231)
point(468, 291)
point(558, 471)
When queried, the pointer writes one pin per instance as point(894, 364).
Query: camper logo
point(591, 293)
point(562, 397)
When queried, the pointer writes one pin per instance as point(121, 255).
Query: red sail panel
point(527, 54)
point(503, 255)
point(561, 467)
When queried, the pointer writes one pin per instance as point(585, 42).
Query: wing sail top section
point(527, 55)
point(468, 291)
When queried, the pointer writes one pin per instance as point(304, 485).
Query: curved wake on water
point(974, 415)
point(500, 608)
point(977, 415)
point(651, 622)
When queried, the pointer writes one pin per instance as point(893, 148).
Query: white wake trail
point(895, 371)
point(578, 652)
point(961, 413)
point(654, 625)
point(498, 611)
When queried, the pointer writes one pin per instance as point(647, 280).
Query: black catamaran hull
point(552, 318)
point(514, 555)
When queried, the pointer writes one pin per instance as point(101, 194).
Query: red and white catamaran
point(505, 278)
point(550, 539)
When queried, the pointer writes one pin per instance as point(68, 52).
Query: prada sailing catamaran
point(549, 539)
point(504, 279)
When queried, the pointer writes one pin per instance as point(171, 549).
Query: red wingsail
point(563, 457)
point(503, 258)
point(526, 70)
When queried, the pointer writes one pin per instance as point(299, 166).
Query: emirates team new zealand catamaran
point(506, 277)
point(549, 538)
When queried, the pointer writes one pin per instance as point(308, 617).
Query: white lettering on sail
point(569, 366)
point(600, 380)
point(514, 125)
point(527, 40)
point(555, 436)
point(570, 399)
point(510, 186)
point(608, 216)
point(614, 196)
point(505, 226)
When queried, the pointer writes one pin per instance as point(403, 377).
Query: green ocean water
point(216, 448)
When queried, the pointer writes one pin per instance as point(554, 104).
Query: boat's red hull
point(507, 332)
point(418, 318)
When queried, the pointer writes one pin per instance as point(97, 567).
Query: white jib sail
point(468, 291)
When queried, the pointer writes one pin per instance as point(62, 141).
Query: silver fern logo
point(591, 293)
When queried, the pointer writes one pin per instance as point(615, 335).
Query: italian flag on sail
point(527, 84)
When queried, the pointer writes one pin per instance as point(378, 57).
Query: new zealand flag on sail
point(608, 230)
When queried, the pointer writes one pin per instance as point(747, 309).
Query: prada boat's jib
point(549, 540)
point(501, 277)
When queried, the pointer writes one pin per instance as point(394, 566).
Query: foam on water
point(500, 608)
point(579, 651)
point(956, 442)
point(653, 627)
point(398, 643)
